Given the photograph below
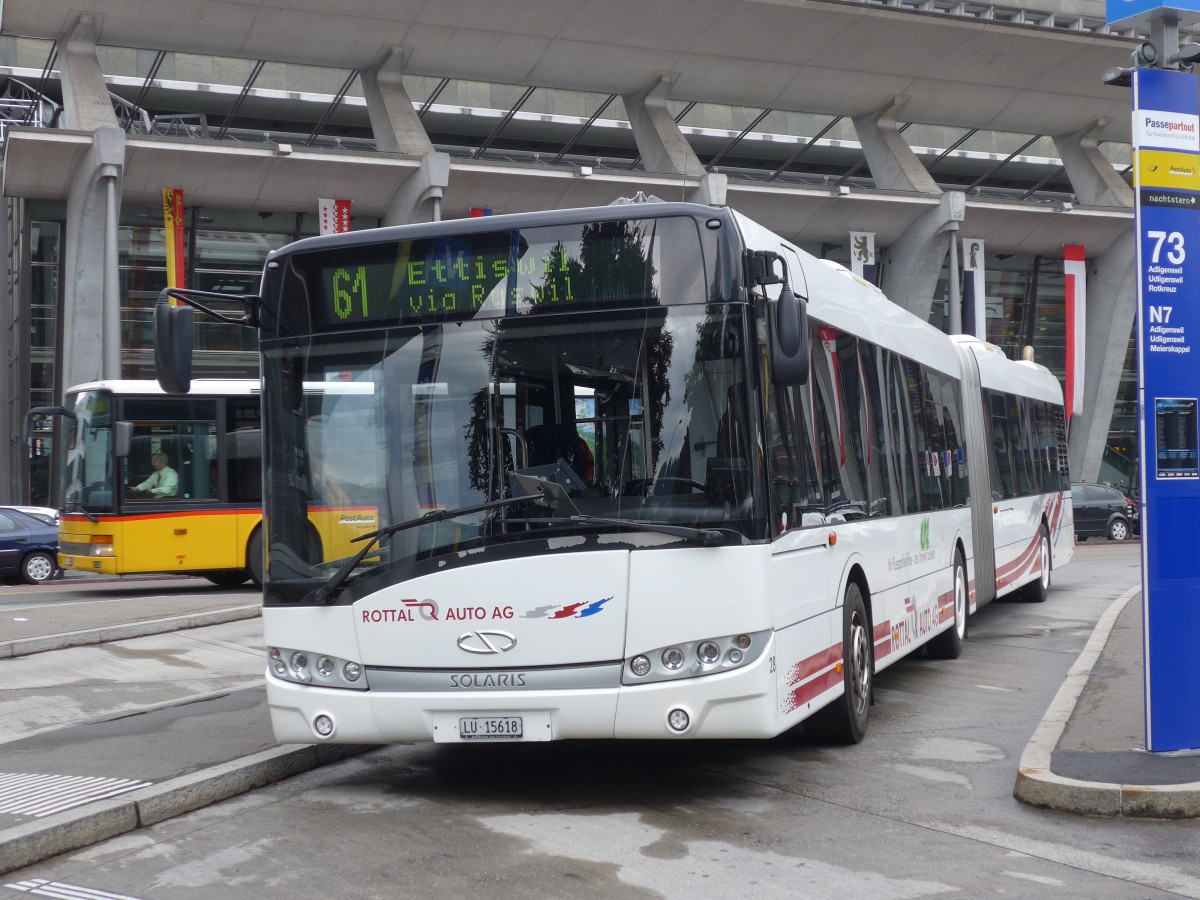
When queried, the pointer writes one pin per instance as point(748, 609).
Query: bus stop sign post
point(1166, 146)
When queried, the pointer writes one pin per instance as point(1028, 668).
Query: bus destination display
point(483, 275)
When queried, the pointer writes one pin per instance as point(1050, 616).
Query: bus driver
point(163, 482)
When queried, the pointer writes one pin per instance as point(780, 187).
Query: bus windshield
point(643, 416)
point(88, 471)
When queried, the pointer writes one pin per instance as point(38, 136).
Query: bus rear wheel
point(1036, 590)
point(844, 721)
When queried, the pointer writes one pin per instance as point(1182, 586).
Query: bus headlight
point(705, 657)
point(328, 671)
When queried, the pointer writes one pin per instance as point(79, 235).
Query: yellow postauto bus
point(156, 483)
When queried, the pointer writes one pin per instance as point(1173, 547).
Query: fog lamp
point(323, 725)
point(679, 720)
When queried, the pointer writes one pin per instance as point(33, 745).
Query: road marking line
point(44, 795)
point(67, 891)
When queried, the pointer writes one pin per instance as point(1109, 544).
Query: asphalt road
point(923, 807)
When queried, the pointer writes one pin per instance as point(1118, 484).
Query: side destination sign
point(1166, 148)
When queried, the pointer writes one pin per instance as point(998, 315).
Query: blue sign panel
point(1131, 12)
point(1166, 151)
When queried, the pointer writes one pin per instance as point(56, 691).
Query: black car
point(28, 547)
point(1101, 510)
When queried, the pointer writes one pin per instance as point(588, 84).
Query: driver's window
point(171, 462)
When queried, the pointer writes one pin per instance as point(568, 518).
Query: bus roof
point(839, 298)
point(613, 212)
point(999, 373)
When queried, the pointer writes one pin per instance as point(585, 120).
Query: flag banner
point(974, 307)
point(862, 254)
point(334, 216)
point(1075, 300)
point(173, 234)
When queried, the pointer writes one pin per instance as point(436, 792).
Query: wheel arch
point(855, 572)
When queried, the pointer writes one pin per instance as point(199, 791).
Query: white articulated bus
point(641, 471)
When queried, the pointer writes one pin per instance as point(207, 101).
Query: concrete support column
point(893, 164)
point(86, 104)
point(659, 141)
point(419, 198)
point(394, 122)
point(13, 365)
point(1111, 310)
point(91, 301)
point(1093, 178)
point(914, 263)
point(711, 190)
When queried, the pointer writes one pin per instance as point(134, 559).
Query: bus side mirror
point(173, 346)
point(122, 439)
point(787, 328)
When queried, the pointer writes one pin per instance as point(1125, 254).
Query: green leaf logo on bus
point(925, 533)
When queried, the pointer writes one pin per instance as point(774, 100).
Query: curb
point(29, 843)
point(26, 646)
point(1038, 786)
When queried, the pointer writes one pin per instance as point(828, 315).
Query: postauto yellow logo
point(1164, 169)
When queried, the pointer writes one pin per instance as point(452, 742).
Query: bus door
point(1010, 487)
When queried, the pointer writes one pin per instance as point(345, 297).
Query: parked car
point(1101, 510)
point(42, 513)
point(28, 546)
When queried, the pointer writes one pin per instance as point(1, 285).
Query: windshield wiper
point(325, 593)
point(709, 537)
point(76, 506)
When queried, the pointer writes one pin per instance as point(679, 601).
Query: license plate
point(476, 728)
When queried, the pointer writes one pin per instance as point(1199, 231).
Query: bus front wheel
point(844, 721)
point(227, 578)
point(255, 561)
point(949, 644)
